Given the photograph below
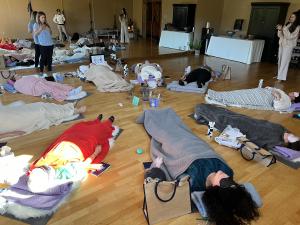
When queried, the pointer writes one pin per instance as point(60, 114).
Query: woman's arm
point(37, 31)
point(11, 134)
point(290, 36)
point(94, 155)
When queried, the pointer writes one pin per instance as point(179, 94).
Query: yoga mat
point(75, 100)
point(81, 116)
point(31, 221)
point(294, 165)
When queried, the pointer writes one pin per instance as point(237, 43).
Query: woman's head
point(230, 205)
point(58, 11)
point(294, 20)
point(124, 11)
point(41, 18)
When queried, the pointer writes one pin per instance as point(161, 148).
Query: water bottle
point(261, 82)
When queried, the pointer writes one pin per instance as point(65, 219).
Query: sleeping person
point(200, 75)
point(263, 133)
point(34, 86)
point(24, 118)
point(226, 201)
point(256, 98)
point(85, 144)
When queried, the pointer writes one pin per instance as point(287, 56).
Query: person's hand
point(279, 27)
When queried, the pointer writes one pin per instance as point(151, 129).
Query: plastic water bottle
point(261, 82)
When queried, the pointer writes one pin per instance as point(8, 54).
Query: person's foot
point(100, 117)
point(112, 119)
point(80, 110)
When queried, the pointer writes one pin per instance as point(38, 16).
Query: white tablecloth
point(175, 39)
point(245, 51)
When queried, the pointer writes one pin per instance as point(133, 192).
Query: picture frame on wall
point(97, 59)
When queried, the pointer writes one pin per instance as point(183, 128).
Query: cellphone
point(98, 172)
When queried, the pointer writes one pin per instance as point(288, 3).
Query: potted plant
point(197, 46)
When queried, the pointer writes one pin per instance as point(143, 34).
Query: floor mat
point(31, 221)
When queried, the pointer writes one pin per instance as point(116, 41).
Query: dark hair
point(39, 14)
point(34, 13)
point(295, 145)
point(296, 23)
point(230, 206)
point(297, 99)
point(124, 11)
point(58, 10)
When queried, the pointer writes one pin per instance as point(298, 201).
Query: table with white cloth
point(241, 50)
point(175, 39)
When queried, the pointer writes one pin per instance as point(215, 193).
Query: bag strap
point(244, 157)
point(163, 200)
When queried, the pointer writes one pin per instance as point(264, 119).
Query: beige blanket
point(34, 116)
point(106, 80)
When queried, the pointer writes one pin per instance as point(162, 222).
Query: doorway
point(153, 19)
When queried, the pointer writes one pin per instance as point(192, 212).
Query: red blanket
point(86, 135)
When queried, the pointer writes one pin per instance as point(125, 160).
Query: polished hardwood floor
point(116, 196)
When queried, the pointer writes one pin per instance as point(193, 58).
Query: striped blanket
point(255, 98)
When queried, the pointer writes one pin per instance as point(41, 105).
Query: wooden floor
point(116, 196)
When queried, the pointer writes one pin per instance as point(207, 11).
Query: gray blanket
point(255, 98)
point(173, 141)
point(261, 132)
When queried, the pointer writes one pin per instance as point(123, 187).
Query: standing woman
point(288, 36)
point(60, 20)
point(43, 33)
point(35, 39)
point(123, 18)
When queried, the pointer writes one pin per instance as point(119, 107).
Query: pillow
point(197, 198)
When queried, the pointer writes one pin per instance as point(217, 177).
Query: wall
point(14, 16)
point(206, 10)
point(241, 9)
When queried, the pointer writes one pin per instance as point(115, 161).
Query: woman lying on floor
point(256, 98)
point(34, 86)
point(24, 118)
point(200, 75)
point(261, 132)
point(85, 144)
point(226, 201)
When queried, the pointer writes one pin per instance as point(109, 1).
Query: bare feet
point(80, 110)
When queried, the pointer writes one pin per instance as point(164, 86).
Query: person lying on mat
point(24, 118)
point(34, 86)
point(201, 75)
point(263, 133)
point(87, 142)
point(268, 98)
point(226, 201)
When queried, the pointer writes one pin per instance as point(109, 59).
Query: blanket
point(191, 87)
point(34, 86)
point(34, 116)
point(173, 141)
point(106, 80)
point(255, 98)
point(261, 132)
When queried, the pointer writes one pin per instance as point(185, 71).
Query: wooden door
point(153, 20)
